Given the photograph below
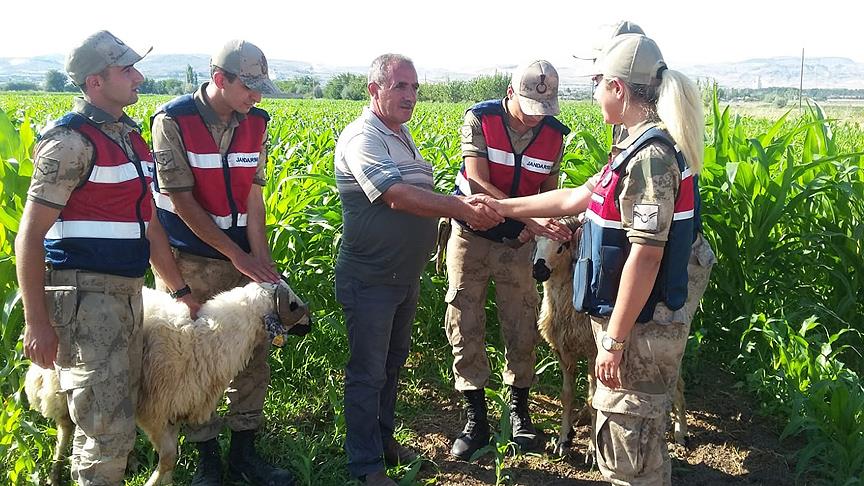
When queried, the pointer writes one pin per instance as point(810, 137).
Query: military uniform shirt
point(173, 171)
point(64, 156)
point(648, 184)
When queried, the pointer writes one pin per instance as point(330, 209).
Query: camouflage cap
point(605, 34)
point(633, 58)
point(247, 61)
point(536, 85)
point(97, 52)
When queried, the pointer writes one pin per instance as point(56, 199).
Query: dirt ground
point(727, 444)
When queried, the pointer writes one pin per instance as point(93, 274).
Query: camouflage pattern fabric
point(471, 262)
point(98, 321)
point(630, 430)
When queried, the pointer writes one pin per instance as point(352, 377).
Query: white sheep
point(186, 367)
point(569, 333)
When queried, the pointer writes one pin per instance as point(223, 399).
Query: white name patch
point(645, 217)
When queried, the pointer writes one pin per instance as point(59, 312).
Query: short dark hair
point(229, 76)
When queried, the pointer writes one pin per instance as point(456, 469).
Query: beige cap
point(633, 58)
point(97, 52)
point(626, 27)
point(247, 61)
point(536, 85)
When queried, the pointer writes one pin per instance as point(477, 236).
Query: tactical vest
point(103, 226)
point(222, 183)
point(514, 174)
point(605, 247)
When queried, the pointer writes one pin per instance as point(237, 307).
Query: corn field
point(783, 207)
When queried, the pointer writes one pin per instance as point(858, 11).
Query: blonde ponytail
point(679, 106)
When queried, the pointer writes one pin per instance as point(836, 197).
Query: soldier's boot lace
point(475, 435)
point(208, 472)
point(244, 463)
point(524, 433)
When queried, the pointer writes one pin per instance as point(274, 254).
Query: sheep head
point(550, 255)
point(287, 314)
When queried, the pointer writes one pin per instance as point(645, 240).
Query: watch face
point(607, 343)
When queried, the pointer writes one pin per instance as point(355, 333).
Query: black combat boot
point(244, 463)
point(208, 472)
point(475, 435)
point(524, 433)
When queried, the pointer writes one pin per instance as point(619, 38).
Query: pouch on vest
point(582, 271)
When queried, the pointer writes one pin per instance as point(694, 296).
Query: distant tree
point(346, 86)
point(149, 86)
point(301, 87)
point(20, 86)
point(171, 86)
point(191, 75)
point(487, 87)
point(55, 81)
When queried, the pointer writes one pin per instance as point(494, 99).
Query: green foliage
point(301, 87)
point(20, 86)
point(55, 81)
point(477, 89)
point(346, 86)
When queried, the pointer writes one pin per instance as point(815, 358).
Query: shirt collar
point(372, 119)
point(635, 133)
point(202, 102)
point(98, 115)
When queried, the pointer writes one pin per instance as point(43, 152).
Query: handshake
point(482, 212)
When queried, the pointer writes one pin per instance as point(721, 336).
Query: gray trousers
point(379, 319)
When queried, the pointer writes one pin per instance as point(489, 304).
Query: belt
point(95, 282)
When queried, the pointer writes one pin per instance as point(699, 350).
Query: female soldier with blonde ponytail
point(643, 264)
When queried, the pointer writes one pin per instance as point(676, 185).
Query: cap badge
point(541, 86)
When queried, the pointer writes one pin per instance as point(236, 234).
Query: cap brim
point(261, 84)
point(535, 108)
point(130, 57)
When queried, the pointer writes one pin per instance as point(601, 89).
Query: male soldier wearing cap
point(210, 157)
point(510, 148)
point(88, 220)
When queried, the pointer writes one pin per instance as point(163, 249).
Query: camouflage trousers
point(98, 319)
point(630, 430)
point(246, 392)
point(471, 262)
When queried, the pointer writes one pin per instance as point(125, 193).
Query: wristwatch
point(610, 344)
point(181, 292)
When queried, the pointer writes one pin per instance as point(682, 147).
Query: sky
point(452, 34)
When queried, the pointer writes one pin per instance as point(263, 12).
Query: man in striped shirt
point(390, 213)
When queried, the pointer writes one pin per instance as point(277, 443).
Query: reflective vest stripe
point(500, 157)
point(462, 184)
point(223, 222)
point(214, 161)
point(534, 164)
point(599, 221)
point(113, 174)
point(112, 230)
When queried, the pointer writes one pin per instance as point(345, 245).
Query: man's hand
point(40, 344)
point(479, 215)
point(548, 227)
point(607, 368)
point(254, 268)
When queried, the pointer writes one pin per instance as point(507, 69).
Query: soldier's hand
point(548, 227)
point(479, 215)
point(255, 269)
point(40, 344)
point(607, 368)
point(193, 305)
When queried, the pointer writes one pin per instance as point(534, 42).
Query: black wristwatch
point(181, 292)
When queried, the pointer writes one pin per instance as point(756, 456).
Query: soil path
point(728, 444)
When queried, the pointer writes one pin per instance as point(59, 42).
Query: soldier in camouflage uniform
point(209, 149)
point(643, 263)
point(87, 208)
point(511, 148)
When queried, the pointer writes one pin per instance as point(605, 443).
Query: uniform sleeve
point(172, 165)
point(62, 163)
point(647, 198)
point(371, 165)
point(471, 134)
point(260, 177)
